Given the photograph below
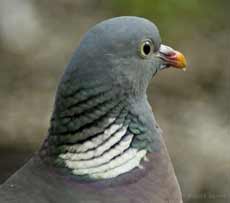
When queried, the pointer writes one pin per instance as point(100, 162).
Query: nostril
point(166, 50)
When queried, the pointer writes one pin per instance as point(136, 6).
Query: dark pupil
point(146, 49)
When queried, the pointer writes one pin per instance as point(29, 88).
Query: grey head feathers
point(110, 51)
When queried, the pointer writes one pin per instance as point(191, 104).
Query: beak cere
point(172, 57)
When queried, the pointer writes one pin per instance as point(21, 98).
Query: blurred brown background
point(37, 38)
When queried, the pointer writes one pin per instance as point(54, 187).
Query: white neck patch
point(107, 155)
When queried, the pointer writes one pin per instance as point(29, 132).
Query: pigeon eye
point(146, 48)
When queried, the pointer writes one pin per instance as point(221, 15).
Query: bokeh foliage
point(177, 16)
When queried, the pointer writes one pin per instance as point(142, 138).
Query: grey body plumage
point(102, 127)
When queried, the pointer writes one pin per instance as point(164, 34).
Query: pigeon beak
point(172, 58)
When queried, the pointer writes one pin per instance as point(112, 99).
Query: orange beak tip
point(180, 58)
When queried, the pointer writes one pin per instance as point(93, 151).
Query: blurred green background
point(37, 38)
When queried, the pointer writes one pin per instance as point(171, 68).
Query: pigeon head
point(102, 125)
point(125, 51)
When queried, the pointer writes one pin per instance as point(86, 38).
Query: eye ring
point(146, 48)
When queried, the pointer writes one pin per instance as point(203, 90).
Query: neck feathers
point(96, 134)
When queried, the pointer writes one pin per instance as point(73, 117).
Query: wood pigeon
point(104, 144)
